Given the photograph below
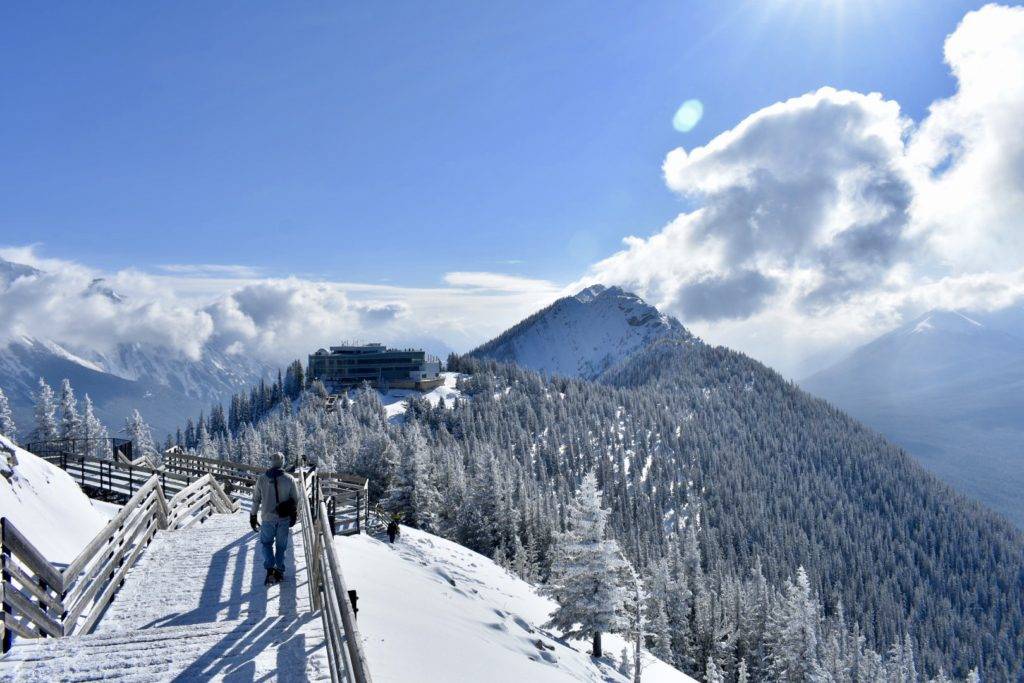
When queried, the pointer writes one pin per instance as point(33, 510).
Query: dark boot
point(271, 578)
point(278, 575)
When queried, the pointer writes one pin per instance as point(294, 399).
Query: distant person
point(393, 530)
point(275, 497)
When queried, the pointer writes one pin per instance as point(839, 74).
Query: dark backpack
point(286, 508)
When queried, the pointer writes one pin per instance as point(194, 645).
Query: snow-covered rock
point(583, 335)
point(432, 610)
point(45, 504)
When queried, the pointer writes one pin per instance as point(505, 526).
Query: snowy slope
point(583, 335)
point(46, 505)
point(431, 610)
point(949, 389)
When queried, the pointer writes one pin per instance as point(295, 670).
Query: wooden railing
point(39, 599)
point(114, 477)
point(345, 495)
point(327, 585)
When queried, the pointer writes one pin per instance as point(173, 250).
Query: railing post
point(42, 606)
point(359, 513)
point(5, 578)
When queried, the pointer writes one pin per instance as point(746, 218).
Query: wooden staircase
point(193, 608)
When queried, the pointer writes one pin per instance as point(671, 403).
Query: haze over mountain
point(949, 389)
point(163, 383)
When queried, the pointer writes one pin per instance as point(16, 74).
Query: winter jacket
point(272, 487)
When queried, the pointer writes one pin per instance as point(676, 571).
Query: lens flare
point(688, 115)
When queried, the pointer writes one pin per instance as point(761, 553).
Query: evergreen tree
point(795, 650)
point(584, 571)
point(94, 433)
point(712, 673)
point(45, 414)
point(142, 437)
point(70, 420)
point(7, 426)
point(742, 674)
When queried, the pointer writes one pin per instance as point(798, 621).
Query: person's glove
point(253, 524)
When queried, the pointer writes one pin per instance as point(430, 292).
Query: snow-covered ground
point(431, 610)
point(396, 401)
point(46, 505)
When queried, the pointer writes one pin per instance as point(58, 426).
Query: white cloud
point(826, 219)
point(498, 282)
point(276, 319)
point(211, 269)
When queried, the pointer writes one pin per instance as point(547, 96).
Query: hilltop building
point(347, 366)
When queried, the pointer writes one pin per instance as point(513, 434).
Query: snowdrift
point(45, 504)
point(432, 610)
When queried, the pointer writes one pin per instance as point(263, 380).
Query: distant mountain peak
point(588, 294)
point(99, 287)
point(583, 335)
point(11, 271)
point(941, 320)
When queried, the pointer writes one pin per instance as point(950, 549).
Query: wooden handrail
point(73, 599)
point(327, 585)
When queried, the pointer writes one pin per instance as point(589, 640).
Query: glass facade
point(346, 366)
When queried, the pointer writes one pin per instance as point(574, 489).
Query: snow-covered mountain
point(950, 390)
point(583, 335)
point(164, 384)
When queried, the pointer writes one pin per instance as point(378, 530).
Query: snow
point(583, 335)
point(396, 401)
point(46, 505)
point(432, 610)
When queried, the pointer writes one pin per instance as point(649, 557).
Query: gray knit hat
point(277, 459)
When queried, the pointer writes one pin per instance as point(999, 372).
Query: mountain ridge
point(582, 335)
point(949, 389)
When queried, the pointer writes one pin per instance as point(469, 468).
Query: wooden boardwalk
point(193, 609)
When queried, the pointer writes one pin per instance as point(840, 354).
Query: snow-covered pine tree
point(70, 420)
point(714, 674)
point(141, 435)
point(625, 665)
point(7, 426)
point(973, 677)
point(634, 618)
point(93, 432)
point(742, 674)
point(45, 414)
point(584, 571)
point(795, 648)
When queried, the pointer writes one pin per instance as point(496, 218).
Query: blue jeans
point(271, 534)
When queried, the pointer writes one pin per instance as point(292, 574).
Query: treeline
point(64, 419)
point(718, 539)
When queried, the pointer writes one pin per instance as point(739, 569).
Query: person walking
point(393, 530)
point(275, 497)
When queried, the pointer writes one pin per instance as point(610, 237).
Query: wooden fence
point(327, 585)
point(39, 599)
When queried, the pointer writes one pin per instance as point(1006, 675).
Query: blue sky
point(400, 141)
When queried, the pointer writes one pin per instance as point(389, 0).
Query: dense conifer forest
point(772, 533)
